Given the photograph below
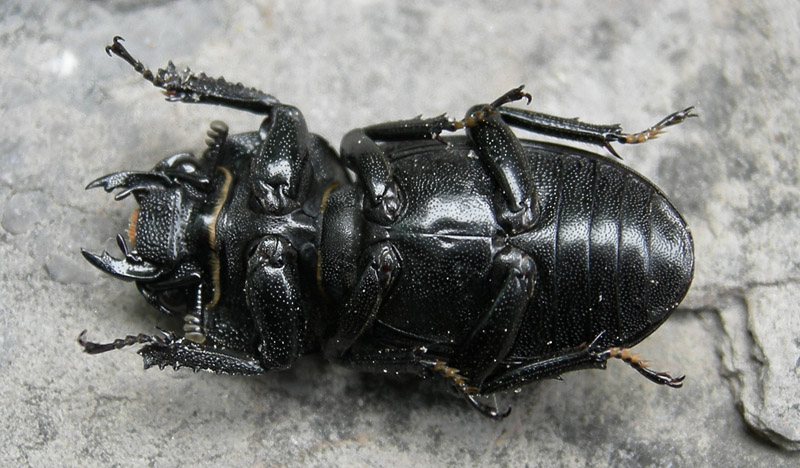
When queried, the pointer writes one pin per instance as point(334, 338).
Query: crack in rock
point(761, 356)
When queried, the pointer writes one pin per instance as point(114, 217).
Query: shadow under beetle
point(485, 261)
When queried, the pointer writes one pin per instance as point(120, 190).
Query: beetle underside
point(489, 272)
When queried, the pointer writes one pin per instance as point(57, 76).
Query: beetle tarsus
point(460, 385)
point(91, 347)
point(640, 365)
point(120, 51)
point(515, 94)
point(485, 409)
point(653, 132)
point(662, 378)
point(480, 114)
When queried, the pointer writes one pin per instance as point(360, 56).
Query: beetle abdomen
point(614, 256)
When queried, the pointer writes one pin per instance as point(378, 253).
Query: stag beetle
point(483, 260)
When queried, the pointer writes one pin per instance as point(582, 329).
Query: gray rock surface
point(71, 114)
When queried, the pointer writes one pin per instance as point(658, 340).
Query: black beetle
point(485, 260)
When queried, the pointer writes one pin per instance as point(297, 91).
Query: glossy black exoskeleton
point(486, 261)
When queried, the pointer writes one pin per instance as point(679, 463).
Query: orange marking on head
point(132, 225)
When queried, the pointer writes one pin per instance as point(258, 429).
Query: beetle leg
point(501, 149)
point(460, 384)
point(514, 273)
point(91, 347)
point(583, 357)
point(377, 277)
point(363, 155)
point(388, 360)
point(276, 170)
point(510, 376)
point(166, 350)
point(274, 300)
point(185, 86)
point(501, 152)
point(413, 360)
point(633, 360)
point(486, 409)
point(478, 114)
point(575, 130)
point(410, 129)
point(180, 353)
point(653, 132)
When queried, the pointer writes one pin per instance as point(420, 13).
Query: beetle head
point(166, 231)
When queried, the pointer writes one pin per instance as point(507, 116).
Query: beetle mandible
point(483, 260)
